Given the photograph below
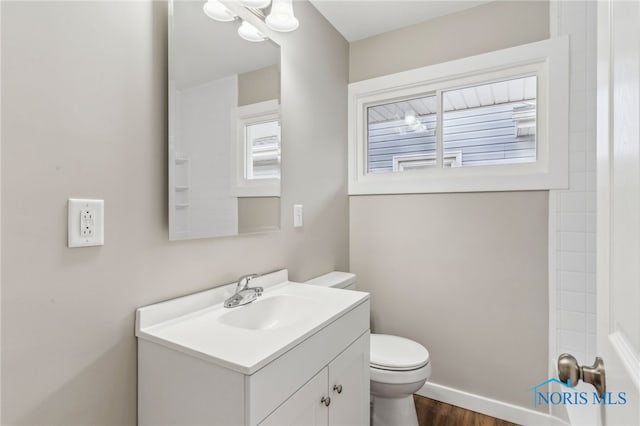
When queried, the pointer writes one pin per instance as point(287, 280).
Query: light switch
point(85, 223)
point(297, 215)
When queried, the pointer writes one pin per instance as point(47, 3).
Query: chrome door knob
point(570, 372)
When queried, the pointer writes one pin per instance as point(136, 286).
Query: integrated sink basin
point(269, 313)
point(248, 337)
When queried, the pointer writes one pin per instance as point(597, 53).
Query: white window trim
point(241, 117)
point(548, 60)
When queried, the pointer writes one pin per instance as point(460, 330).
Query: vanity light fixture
point(250, 33)
point(281, 17)
point(217, 11)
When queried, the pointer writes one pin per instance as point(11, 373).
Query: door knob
point(337, 388)
point(326, 400)
point(570, 372)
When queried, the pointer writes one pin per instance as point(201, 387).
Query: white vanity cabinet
point(349, 383)
point(196, 369)
point(305, 406)
point(337, 396)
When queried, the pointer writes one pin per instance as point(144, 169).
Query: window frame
point(548, 60)
point(241, 118)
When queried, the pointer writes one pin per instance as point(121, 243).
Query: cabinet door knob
point(337, 388)
point(326, 400)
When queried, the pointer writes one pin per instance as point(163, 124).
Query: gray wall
point(84, 115)
point(464, 274)
point(492, 26)
point(257, 214)
point(260, 85)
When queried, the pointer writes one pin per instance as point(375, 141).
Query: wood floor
point(435, 413)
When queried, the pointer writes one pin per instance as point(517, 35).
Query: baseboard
point(490, 407)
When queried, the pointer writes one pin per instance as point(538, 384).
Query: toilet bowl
point(399, 367)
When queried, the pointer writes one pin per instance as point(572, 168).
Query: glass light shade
point(258, 4)
point(218, 11)
point(250, 33)
point(409, 117)
point(281, 17)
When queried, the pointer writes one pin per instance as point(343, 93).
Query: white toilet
point(398, 367)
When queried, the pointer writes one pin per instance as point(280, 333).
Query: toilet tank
point(335, 279)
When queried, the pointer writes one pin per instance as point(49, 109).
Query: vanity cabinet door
point(304, 408)
point(349, 385)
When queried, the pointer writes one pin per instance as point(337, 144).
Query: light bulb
point(218, 11)
point(281, 17)
point(257, 4)
point(250, 33)
point(410, 117)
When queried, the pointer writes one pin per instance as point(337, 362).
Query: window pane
point(490, 124)
point(401, 135)
point(263, 150)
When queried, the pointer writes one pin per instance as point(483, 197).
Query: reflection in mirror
point(224, 128)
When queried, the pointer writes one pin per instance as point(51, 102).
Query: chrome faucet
point(244, 294)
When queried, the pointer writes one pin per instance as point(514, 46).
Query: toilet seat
point(400, 377)
point(396, 360)
point(396, 353)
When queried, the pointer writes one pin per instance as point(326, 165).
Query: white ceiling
point(358, 19)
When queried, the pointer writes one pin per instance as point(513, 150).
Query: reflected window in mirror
point(262, 144)
point(257, 148)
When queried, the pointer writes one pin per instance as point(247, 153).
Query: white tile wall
point(575, 255)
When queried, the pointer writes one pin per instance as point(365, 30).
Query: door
point(618, 210)
point(349, 385)
point(304, 408)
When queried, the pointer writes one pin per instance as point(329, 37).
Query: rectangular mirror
point(224, 128)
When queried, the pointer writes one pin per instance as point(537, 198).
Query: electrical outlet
point(86, 223)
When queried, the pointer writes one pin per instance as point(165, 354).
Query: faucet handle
point(246, 279)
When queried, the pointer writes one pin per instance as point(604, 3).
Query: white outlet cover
point(76, 207)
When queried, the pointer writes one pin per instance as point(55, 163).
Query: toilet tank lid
point(335, 279)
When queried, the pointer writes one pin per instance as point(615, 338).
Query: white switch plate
point(297, 216)
point(86, 223)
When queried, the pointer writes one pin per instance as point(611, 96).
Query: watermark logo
point(570, 396)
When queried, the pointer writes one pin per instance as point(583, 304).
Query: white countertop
point(184, 324)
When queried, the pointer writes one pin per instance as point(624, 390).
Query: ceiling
point(358, 19)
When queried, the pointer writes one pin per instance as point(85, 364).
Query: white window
point(262, 150)
point(255, 162)
point(491, 122)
